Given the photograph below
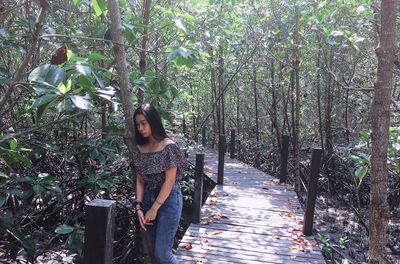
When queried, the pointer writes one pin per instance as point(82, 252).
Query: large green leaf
point(361, 172)
point(85, 70)
point(44, 100)
point(81, 102)
point(38, 189)
point(64, 229)
point(48, 74)
point(13, 144)
point(99, 6)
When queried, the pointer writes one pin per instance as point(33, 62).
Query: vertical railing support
point(232, 145)
point(284, 158)
point(221, 159)
point(198, 188)
point(99, 231)
point(312, 191)
point(203, 137)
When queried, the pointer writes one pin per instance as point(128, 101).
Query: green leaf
point(85, 70)
point(81, 102)
point(99, 7)
point(49, 74)
point(44, 100)
point(361, 172)
point(122, 3)
point(24, 160)
point(94, 56)
point(2, 200)
point(179, 24)
point(77, 2)
point(15, 192)
point(13, 144)
point(64, 229)
point(38, 189)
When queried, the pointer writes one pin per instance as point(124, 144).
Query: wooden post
point(312, 191)
point(99, 231)
point(198, 188)
point(221, 159)
point(232, 145)
point(284, 158)
point(203, 137)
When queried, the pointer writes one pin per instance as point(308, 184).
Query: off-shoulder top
point(152, 165)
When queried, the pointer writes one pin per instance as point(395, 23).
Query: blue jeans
point(161, 234)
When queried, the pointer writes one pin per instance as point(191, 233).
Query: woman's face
point(142, 125)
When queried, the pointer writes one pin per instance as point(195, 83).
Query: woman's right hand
point(142, 221)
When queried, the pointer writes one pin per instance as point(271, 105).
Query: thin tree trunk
point(145, 39)
point(329, 159)
point(237, 110)
point(214, 97)
point(296, 125)
point(274, 112)
point(379, 208)
point(256, 116)
point(20, 71)
point(321, 131)
point(220, 88)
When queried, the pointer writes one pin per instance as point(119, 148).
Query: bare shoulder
point(167, 141)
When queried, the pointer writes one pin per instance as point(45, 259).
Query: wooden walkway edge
point(250, 219)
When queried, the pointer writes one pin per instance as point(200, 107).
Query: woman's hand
point(141, 218)
point(150, 215)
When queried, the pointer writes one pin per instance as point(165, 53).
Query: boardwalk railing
point(99, 231)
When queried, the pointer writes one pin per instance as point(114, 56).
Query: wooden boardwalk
point(250, 219)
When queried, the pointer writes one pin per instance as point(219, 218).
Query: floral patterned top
point(152, 165)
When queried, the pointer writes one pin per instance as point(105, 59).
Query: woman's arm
point(170, 177)
point(139, 187)
point(139, 199)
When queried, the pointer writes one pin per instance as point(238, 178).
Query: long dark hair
point(153, 118)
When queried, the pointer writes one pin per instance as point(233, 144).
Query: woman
point(159, 164)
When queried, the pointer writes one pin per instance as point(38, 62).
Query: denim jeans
point(161, 234)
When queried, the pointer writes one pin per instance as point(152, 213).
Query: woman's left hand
point(150, 215)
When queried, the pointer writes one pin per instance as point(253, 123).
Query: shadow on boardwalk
point(250, 219)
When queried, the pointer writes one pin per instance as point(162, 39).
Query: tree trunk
point(257, 119)
point(214, 96)
point(20, 71)
point(274, 110)
point(221, 92)
point(329, 159)
point(145, 39)
point(296, 125)
point(379, 208)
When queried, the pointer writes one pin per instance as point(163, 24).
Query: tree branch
point(24, 64)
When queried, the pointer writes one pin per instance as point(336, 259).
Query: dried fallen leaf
point(187, 246)
point(212, 201)
point(216, 215)
point(215, 232)
point(289, 202)
point(207, 222)
point(290, 214)
point(204, 244)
